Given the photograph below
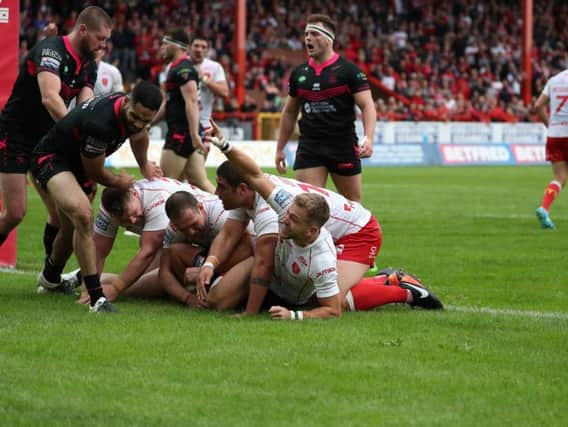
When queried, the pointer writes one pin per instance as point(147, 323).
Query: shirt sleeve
point(292, 88)
point(357, 79)
point(186, 72)
point(105, 225)
point(48, 57)
point(155, 218)
point(219, 75)
point(546, 90)
point(324, 277)
point(117, 85)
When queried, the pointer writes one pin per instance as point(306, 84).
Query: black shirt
point(24, 109)
point(180, 72)
point(326, 95)
point(93, 128)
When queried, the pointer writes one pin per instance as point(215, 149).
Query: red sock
point(550, 194)
point(368, 294)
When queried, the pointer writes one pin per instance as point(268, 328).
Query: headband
point(174, 42)
point(321, 30)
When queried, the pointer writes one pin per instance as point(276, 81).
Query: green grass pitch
point(497, 356)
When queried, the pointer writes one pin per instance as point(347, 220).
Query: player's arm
point(328, 308)
point(190, 94)
point(220, 88)
point(49, 87)
point(150, 243)
point(540, 108)
point(170, 282)
point(287, 124)
point(139, 143)
point(85, 93)
point(103, 246)
point(364, 100)
point(95, 170)
point(222, 246)
point(262, 270)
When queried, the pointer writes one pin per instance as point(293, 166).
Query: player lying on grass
point(193, 226)
point(305, 258)
point(143, 209)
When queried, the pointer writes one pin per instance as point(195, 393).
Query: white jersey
point(215, 216)
point(556, 90)
point(346, 217)
point(263, 216)
point(153, 195)
point(301, 271)
point(109, 79)
point(215, 73)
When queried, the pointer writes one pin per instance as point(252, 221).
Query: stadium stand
point(456, 60)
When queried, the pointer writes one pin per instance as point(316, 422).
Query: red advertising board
point(9, 23)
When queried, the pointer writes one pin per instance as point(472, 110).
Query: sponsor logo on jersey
point(282, 198)
point(94, 146)
point(307, 107)
point(102, 222)
point(361, 76)
point(52, 53)
point(316, 86)
point(326, 272)
point(302, 79)
point(48, 62)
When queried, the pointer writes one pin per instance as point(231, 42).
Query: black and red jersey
point(24, 110)
point(326, 95)
point(180, 72)
point(93, 128)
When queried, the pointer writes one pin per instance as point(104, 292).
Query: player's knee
point(83, 220)
point(14, 215)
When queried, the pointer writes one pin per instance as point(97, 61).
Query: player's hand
point(50, 29)
point(124, 181)
point(198, 143)
point(151, 170)
point(192, 301)
point(204, 279)
point(279, 313)
point(280, 161)
point(190, 276)
point(215, 130)
point(365, 148)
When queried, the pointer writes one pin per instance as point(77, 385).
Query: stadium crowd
point(454, 60)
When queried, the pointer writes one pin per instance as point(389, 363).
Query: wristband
point(208, 264)
point(292, 315)
point(300, 315)
point(212, 259)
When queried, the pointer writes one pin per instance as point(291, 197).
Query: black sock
point(49, 233)
point(52, 272)
point(3, 238)
point(93, 284)
point(79, 276)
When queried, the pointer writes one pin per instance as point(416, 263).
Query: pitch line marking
point(461, 309)
point(509, 312)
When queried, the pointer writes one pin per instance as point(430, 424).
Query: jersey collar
point(117, 105)
point(318, 68)
point(73, 54)
point(177, 61)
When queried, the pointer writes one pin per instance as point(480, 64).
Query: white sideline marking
point(461, 309)
point(510, 312)
point(16, 271)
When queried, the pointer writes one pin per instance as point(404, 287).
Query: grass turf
point(469, 232)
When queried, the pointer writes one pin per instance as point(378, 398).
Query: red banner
point(9, 46)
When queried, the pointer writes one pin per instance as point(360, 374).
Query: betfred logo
point(475, 154)
point(529, 154)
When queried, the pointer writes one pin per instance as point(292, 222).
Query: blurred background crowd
point(453, 60)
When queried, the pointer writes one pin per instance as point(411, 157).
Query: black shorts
point(339, 157)
point(16, 151)
point(46, 165)
point(179, 141)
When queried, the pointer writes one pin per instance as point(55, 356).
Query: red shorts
point(362, 246)
point(557, 149)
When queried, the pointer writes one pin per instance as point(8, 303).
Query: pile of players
point(259, 242)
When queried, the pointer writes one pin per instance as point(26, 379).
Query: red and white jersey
point(346, 217)
point(215, 216)
point(264, 218)
point(109, 79)
point(215, 73)
point(153, 195)
point(301, 271)
point(556, 90)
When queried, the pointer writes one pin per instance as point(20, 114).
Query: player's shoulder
point(211, 64)
point(51, 46)
point(108, 67)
